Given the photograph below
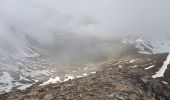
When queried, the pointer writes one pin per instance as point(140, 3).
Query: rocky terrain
point(128, 77)
point(84, 50)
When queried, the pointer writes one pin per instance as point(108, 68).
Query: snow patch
point(22, 86)
point(6, 81)
point(149, 67)
point(134, 66)
point(120, 66)
point(25, 86)
point(153, 46)
point(84, 74)
point(93, 72)
point(160, 73)
point(51, 81)
point(79, 76)
point(164, 82)
point(132, 61)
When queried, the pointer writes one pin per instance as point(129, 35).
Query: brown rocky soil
point(111, 83)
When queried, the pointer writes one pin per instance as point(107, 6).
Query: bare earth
point(120, 79)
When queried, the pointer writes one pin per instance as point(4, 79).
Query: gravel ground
point(118, 80)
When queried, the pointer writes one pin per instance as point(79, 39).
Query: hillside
point(129, 77)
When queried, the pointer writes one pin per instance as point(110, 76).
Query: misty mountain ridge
point(28, 63)
point(79, 44)
point(128, 59)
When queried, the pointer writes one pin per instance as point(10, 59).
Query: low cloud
point(41, 19)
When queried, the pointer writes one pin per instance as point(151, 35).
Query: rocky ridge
point(125, 78)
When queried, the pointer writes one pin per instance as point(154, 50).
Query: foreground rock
point(126, 80)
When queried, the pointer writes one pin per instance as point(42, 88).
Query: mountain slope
point(127, 77)
point(148, 45)
point(29, 62)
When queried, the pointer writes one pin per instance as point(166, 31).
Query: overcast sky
point(104, 18)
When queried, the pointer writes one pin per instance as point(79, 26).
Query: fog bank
point(41, 19)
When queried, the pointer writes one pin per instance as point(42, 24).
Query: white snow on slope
point(120, 66)
point(51, 81)
point(84, 74)
point(66, 78)
point(22, 86)
point(93, 72)
point(160, 73)
point(132, 61)
point(57, 79)
point(23, 63)
point(149, 46)
point(164, 82)
point(149, 67)
point(6, 81)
